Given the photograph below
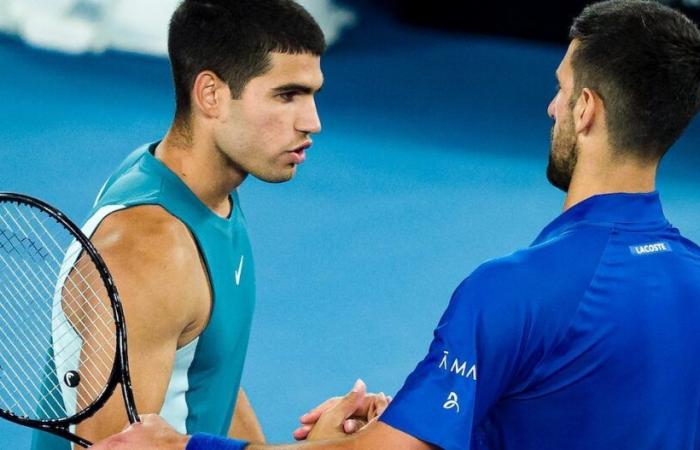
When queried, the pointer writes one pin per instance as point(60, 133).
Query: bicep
point(152, 332)
point(150, 367)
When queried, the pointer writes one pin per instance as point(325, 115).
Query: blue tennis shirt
point(589, 339)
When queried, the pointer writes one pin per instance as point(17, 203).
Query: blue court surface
point(431, 160)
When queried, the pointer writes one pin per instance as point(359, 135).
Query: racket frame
point(120, 369)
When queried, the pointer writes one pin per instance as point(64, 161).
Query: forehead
point(303, 69)
point(565, 70)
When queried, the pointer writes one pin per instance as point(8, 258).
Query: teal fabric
point(215, 373)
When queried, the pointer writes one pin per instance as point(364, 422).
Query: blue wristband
point(203, 441)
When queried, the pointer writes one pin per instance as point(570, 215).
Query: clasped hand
point(340, 416)
point(334, 418)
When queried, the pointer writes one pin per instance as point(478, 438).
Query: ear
point(588, 109)
point(209, 93)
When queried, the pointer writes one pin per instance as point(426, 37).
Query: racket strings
point(66, 333)
point(88, 281)
point(51, 312)
point(80, 323)
point(68, 256)
point(31, 355)
point(31, 349)
point(91, 387)
point(30, 383)
point(69, 283)
point(56, 339)
point(67, 288)
point(30, 390)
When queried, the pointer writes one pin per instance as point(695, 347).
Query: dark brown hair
point(643, 59)
point(233, 39)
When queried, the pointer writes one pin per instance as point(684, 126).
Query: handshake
point(339, 416)
point(335, 418)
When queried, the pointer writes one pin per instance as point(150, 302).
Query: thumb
point(351, 426)
point(352, 401)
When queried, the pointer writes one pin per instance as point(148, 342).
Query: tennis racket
point(62, 334)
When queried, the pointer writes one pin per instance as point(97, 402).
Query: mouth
point(299, 153)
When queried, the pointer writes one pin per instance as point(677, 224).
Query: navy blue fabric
point(204, 441)
point(586, 340)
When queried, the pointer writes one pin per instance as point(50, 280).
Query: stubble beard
point(563, 156)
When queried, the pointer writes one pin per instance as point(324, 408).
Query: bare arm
point(377, 436)
point(156, 268)
point(328, 432)
point(155, 434)
point(245, 425)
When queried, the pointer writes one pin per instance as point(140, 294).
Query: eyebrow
point(304, 89)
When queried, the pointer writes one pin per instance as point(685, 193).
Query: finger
point(310, 418)
point(368, 423)
point(380, 404)
point(351, 402)
point(351, 426)
point(315, 413)
point(301, 433)
point(372, 405)
point(147, 418)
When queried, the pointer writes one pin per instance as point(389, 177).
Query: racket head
point(62, 333)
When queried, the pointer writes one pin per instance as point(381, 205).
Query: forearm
point(245, 424)
point(342, 444)
point(208, 442)
point(377, 436)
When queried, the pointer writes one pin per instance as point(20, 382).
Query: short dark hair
point(233, 39)
point(643, 59)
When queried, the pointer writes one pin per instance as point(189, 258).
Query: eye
point(288, 96)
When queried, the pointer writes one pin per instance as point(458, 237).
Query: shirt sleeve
point(471, 361)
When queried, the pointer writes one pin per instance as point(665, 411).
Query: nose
point(551, 109)
point(309, 122)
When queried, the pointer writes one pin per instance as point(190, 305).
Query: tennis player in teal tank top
point(202, 389)
point(169, 223)
point(203, 386)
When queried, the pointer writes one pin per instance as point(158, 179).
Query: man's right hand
point(152, 433)
point(357, 407)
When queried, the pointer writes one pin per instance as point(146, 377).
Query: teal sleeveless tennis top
point(204, 384)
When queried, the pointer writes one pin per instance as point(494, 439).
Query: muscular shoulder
point(548, 271)
point(154, 261)
point(535, 292)
point(146, 230)
point(524, 303)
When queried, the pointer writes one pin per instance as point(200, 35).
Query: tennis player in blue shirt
point(589, 338)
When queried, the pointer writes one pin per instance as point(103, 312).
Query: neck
point(202, 168)
point(626, 177)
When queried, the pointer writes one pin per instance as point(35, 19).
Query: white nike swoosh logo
point(239, 271)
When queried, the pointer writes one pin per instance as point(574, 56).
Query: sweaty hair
point(643, 60)
point(233, 39)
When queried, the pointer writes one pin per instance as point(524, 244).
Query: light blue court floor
point(431, 160)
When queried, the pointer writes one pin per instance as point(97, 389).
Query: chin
point(279, 177)
point(557, 177)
